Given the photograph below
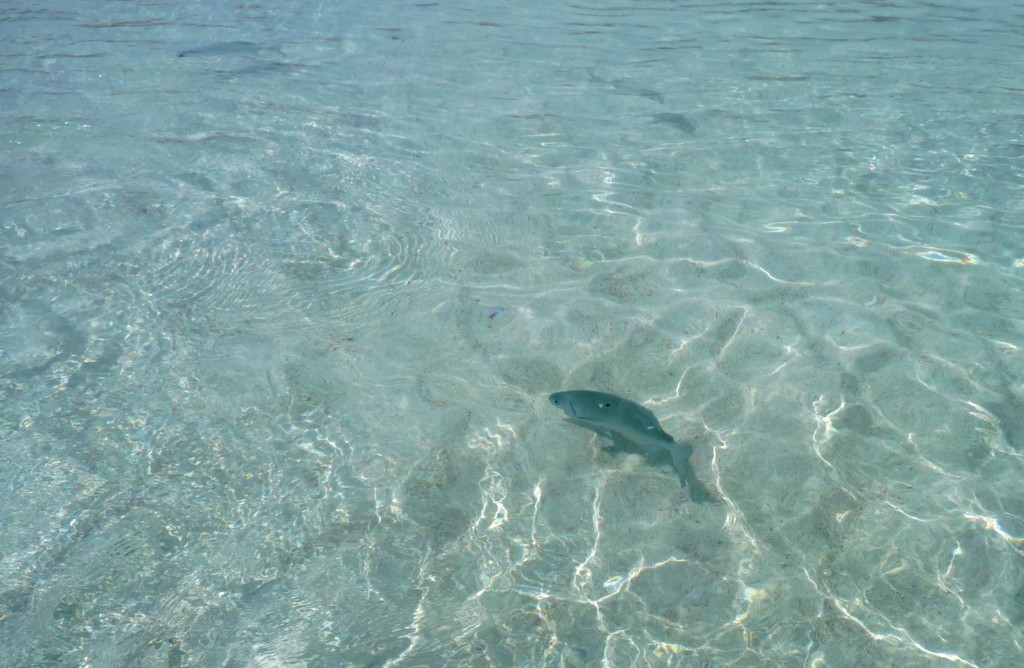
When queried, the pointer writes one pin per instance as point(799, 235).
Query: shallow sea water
point(284, 287)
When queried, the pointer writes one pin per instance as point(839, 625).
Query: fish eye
point(605, 404)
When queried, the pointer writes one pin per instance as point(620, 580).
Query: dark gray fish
point(678, 121)
point(225, 49)
point(631, 428)
point(627, 87)
point(264, 67)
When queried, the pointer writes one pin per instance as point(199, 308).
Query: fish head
point(606, 413)
point(587, 405)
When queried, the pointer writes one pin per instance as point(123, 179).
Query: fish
point(226, 49)
point(628, 87)
point(678, 121)
point(631, 428)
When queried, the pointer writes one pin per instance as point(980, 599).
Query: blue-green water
point(279, 317)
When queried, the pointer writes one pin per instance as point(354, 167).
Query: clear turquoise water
point(279, 317)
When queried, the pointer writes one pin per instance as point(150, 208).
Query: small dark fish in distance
point(226, 49)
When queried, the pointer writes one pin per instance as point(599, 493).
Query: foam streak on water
point(284, 287)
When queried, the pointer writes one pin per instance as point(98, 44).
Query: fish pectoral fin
point(600, 431)
point(618, 443)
